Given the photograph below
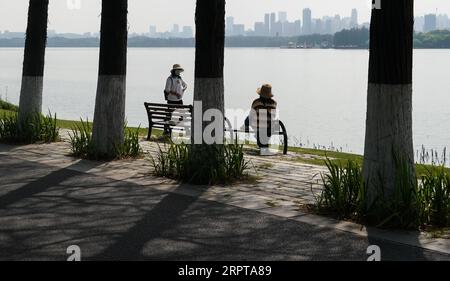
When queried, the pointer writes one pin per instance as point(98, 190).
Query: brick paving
point(281, 185)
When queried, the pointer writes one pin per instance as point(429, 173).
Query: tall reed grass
point(198, 164)
point(82, 145)
point(423, 202)
point(35, 128)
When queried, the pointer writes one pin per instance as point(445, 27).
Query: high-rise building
point(337, 24)
point(328, 28)
point(238, 30)
point(229, 26)
point(292, 28)
point(187, 32)
point(419, 23)
point(430, 23)
point(307, 22)
point(442, 22)
point(282, 17)
point(277, 29)
point(318, 26)
point(176, 29)
point(354, 19)
point(267, 24)
point(273, 20)
point(260, 29)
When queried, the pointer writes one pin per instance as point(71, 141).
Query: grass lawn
point(70, 124)
point(304, 155)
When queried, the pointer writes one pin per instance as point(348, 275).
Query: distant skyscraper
point(188, 32)
point(273, 20)
point(419, 23)
point(307, 22)
point(176, 29)
point(266, 24)
point(430, 23)
point(292, 28)
point(328, 29)
point(337, 24)
point(277, 29)
point(318, 26)
point(442, 22)
point(282, 17)
point(238, 30)
point(229, 25)
point(260, 29)
point(354, 20)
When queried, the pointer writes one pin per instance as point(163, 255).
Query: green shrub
point(82, 145)
point(35, 128)
point(197, 164)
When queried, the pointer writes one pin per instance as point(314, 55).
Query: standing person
point(174, 91)
point(175, 86)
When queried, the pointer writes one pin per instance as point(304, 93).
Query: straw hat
point(177, 67)
point(265, 91)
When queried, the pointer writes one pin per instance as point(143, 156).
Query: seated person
point(262, 113)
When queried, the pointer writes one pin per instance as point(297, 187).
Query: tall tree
point(34, 58)
point(109, 116)
point(209, 58)
point(389, 137)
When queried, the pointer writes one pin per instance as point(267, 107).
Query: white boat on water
point(292, 45)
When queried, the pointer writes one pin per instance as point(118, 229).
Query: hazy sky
point(164, 13)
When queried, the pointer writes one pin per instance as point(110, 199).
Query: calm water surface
point(321, 93)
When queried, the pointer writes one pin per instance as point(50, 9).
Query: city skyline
point(273, 24)
point(143, 12)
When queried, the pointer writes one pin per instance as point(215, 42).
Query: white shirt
point(175, 85)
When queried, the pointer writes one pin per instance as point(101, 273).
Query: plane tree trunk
point(209, 60)
point(109, 116)
point(34, 59)
point(389, 136)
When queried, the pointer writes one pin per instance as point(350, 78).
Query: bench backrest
point(159, 114)
point(262, 116)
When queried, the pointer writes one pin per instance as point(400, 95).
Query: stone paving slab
point(272, 193)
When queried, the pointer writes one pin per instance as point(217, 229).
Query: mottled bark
point(389, 101)
point(34, 60)
point(109, 117)
point(209, 56)
point(388, 135)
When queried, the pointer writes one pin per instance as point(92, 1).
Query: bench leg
point(286, 145)
point(285, 138)
point(149, 135)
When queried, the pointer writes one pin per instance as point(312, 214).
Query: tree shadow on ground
point(118, 220)
point(42, 184)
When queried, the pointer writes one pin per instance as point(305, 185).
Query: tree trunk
point(34, 57)
point(389, 101)
point(109, 117)
point(209, 61)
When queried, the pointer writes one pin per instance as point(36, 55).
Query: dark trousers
point(261, 139)
point(167, 130)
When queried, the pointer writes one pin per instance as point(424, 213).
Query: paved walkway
point(117, 210)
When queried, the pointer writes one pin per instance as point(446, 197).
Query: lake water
point(321, 93)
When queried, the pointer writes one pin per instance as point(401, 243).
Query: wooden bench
point(176, 117)
point(162, 116)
